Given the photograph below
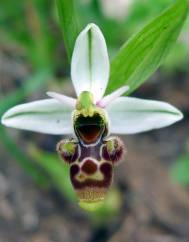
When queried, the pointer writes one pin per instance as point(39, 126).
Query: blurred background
point(149, 200)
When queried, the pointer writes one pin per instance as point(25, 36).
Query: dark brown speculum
point(89, 167)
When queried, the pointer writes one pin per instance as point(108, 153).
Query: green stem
point(22, 158)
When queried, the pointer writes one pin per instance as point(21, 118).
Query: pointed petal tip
point(125, 88)
point(91, 25)
point(3, 120)
point(50, 94)
point(180, 115)
point(5, 116)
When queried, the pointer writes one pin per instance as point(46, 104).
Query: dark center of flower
point(90, 129)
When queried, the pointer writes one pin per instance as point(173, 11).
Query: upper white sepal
point(90, 62)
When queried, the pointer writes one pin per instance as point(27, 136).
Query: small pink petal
point(62, 98)
point(111, 97)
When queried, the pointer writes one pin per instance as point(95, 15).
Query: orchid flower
point(89, 119)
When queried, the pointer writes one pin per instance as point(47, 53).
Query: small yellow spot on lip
point(81, 177)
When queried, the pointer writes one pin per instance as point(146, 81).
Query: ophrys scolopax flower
point(89, 119)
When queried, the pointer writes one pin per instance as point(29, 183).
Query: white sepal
point(45, 116)
point(133, 115)
point(90, 62)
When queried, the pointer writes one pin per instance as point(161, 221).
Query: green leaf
point(56, 169)
point(26, 162)
point(144, 52)
point(68, 23)
point(180, 170)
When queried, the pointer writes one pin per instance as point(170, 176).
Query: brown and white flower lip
point(90, 72)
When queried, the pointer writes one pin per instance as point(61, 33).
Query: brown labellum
point(92, 157)
point(91, 173)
